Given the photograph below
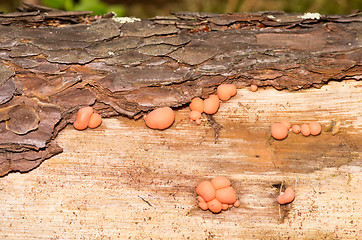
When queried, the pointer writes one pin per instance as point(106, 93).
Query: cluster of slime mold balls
point(216, 195)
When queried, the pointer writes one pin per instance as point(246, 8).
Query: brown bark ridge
point(54, 62)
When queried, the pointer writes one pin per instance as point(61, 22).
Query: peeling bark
point(54, 62)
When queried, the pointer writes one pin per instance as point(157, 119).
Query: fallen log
point(54, 62)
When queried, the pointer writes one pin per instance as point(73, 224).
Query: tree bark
point(54, 62)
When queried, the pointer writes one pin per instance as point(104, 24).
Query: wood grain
point(125, 181)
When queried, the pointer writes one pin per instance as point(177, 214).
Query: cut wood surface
point(126, 181)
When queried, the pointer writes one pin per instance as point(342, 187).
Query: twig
point(280, 192)
point(281, 187)
point(145, 200)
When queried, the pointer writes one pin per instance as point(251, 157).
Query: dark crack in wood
point(215, 126)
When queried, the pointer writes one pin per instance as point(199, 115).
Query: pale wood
point(124, 180)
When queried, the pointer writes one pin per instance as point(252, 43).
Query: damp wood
point(54, 62)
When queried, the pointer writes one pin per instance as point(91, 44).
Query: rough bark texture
point(54, 62)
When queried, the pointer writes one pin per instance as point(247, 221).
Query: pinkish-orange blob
point(296, 129)
point(214, 205)
point(83, 116)
point(253, 87)
point(197, 104)
point(218, 194)
point(279, 131)
point(286, 123)
point(226, 91)
point(315, 128)
point(287, 196)
point(226, 195)
point(200, 199)
point(160, 118)
point(305, 130)
point(95, 120)
point(203, 205)
point(194, 115)
point(220, 182)
point(225, 206)
point(206, 190)
point(211, 104)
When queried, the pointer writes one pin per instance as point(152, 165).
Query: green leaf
point(69, 5)
point(58, 4)
point(119, 9)
point(97, 7)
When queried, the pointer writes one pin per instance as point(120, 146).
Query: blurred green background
point(151, 8)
